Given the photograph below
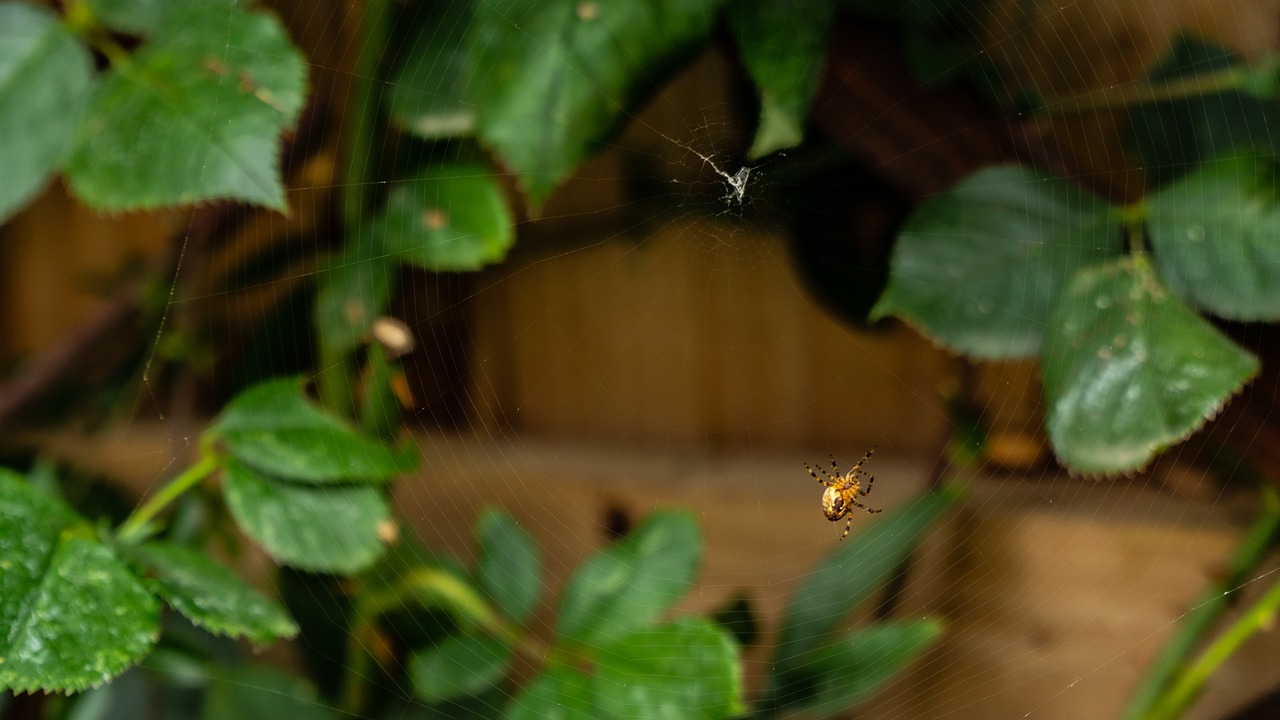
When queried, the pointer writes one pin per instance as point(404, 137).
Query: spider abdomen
point(834, 504)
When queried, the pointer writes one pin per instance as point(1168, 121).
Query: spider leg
point(835, 467)
point(867, 490)
point(864, 459)
point(815, 475)
point(847, 525)
point(864, 507)
point(834, 478)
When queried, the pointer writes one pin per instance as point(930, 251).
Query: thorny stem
point(135, 525)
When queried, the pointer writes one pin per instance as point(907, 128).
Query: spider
point(737, 184)
point(841, 495)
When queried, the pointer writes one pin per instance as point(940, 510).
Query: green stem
point(81, 21)
point(1097, 100)
point(1134, 217)
point(1262, 616)
point(134, 525)
point(428, 587)
point(333, 381)
point(363, 112)
point(380, 411)
point(1207, 610)
point(356, 680)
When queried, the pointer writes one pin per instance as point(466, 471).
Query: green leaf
point(46, 80)
point(1129, 369)
point(461, 665)
point(1174, 136)
point(509, 572)
point(273, 428)
point(86, 621)
point(330, 529)
point(1214, 235)
point(142, 17)
point(449, 218)
point(625, 587)
point(259, 693)
point(209, 595)
point(430, 82)
point(195, 115)
point(1261, 80)
point(559, 693)
point(73, 615)
point(849, 575)
point(978, 267)
point(687, 669)
point(355, 288)
point(552, 78)
point(851, 669)
point(783, 44)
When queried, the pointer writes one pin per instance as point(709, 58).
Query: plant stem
point(362, 112)
point(1134, 217)
point(380, 411)
point(1211, 605)
point(428, 587)
point(134, 525)
point(1262, 616)
point(1113, 97)
point(333, 380)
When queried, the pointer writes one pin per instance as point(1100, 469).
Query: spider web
point(653, 341)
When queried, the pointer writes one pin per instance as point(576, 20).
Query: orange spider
point(841, 496)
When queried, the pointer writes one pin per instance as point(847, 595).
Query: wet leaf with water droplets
point(196, 114)
point(1127, 377)
point(74, 615)
point(210, 595)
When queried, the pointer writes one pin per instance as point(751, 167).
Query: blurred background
point(652, 342)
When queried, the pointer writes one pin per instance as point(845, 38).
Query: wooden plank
point(697, 332)
point(59, 262)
